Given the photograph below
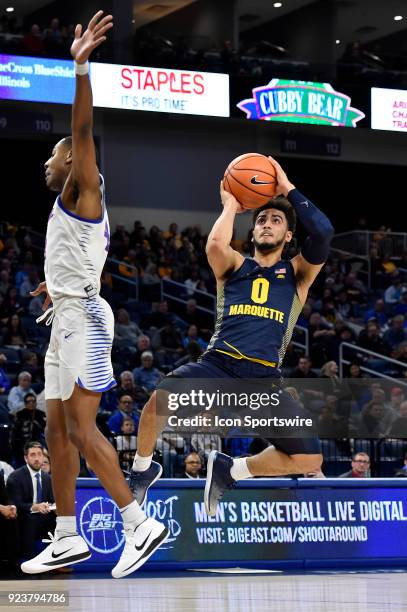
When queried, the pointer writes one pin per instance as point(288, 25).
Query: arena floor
point(316, 591)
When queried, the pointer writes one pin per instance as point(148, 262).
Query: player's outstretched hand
point(42, 288)
point(94, 36)
point(283, 184)
point(229, 200)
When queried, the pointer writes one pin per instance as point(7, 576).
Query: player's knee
point(307, 463)
point(150, 406)
point(80, 439)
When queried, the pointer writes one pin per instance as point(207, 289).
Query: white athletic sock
point(239, 469)
point(66, 525)
point(132, 514)
point(141, 464)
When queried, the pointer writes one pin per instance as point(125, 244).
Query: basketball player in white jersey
point(77, 365)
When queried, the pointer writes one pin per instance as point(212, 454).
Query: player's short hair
point(279, 203)
point(67, 142)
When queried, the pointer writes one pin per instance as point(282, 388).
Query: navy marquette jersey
point(257, 309)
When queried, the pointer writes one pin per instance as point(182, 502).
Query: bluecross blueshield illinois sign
point(300, 102)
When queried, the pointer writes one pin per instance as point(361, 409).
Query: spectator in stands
point(125, 409)
point(127, 387)
point(4, 379)
point(129, 267)
point(377, 313)
point(150, 276)
point(35, 307)
point(344, 306)
point(54, 40)
point(193, 466)
point(192, 316)
point(126, 331)
point(355, 289)
point(143, 344)
point(203, 444)
point(396, 334)
point(146, 375)
point(192, 336)
point(7, 469)
point(29, 284)
point(402, 472)
point(192, 281)
point(5, 284)
point(15, 334)
point(332, 382)
point(401, 355)
point(160, 315)
point(46, 463)
point(372, 422)
point(194, 351)
point(17, 394)
point(29, 425)
point(126, 443)
point(31, 364)
point(33, 43)
point(167, 344)
point(360, 467)
point(398, 428)
point(303, 320)
point(401, 307)
point(369, 339)
point(303, 369)
point(393, 293)
point(8, 526)
point(30, 490)
point(321, 338)
point(330, 424)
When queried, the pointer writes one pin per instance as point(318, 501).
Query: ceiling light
point(10, 9)
point(398, 18)
point(337, 41)
point(278, 4)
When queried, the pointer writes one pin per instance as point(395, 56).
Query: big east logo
point(101, 525)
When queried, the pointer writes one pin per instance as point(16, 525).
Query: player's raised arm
point(85, 173)
point(315, 250)
point(222, 258)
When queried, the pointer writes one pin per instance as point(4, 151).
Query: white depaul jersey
point(75, 251)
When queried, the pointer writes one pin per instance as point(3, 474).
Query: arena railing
point(363, 258)
point(365, 368)
point(359, 242)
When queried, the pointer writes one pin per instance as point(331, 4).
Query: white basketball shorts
point(80, 348)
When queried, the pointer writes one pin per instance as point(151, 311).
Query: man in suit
point(193, 466)
point(30, 490)
point(8, 527)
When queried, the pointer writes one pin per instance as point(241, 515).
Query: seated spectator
point(360, 467)
point(192, 336)
point(127, 387)
point(167, 344)
point(13, 302)
point(125, 409)
point(30, 490)
point(29, 284)
point(126, 443)
point(402, 472)
point(35, 307)
point(30, 364)
point(5, 284)
point(321, 336)
point(147, 375)
point(370, 423)
point(29, 425)
point(193, 466)
point(129, 266)
point(192, 281)
point(398, 428)
point(160, 315)
point(396, 334)
point(401, 307)
point(393, 293)
point(8, 527)
point(33, 43)
point(4, 379)
point(193, 316)
point(377, 313)
point(46, 463)
point(203, 444)
point(126, 331)
point(369, 339)
point(6, 469)
point(194, 351)
point(15, 334)
point(17, 394)
point(303, 369)
point(143, 344)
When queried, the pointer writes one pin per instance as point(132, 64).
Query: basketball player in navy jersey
point(259, 300)
point(78, 364)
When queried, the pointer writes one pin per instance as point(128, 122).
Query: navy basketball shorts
point(215, 365)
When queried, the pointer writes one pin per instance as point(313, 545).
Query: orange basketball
point(251, 178)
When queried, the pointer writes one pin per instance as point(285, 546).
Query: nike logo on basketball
point(305, 203)
point(254, 181)
point(54, 556)
point(68, 335)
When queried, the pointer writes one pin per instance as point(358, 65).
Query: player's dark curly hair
point(279, 203)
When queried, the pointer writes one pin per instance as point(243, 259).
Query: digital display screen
point(116, 86)
point(389, 109)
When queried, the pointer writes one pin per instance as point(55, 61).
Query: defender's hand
point(83, 45)
point(42, 288)
point(283, 184)
point(229, 200)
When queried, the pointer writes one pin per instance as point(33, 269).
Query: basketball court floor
point(315, 591)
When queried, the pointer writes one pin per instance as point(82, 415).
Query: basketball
point(251, 178)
